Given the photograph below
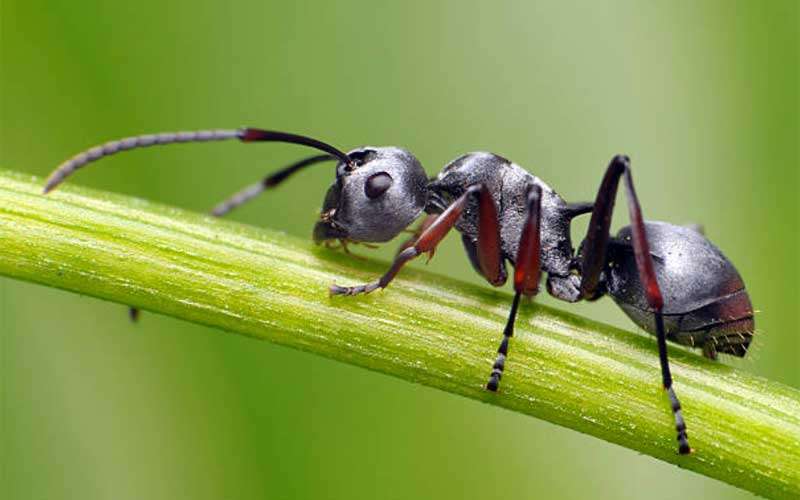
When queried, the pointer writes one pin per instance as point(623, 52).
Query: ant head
point(375, 196)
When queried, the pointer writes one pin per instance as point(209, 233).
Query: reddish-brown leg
point(436, 231)
point(526, 279)
point(485, 251)
point(594, 260)
point(489, 246)
point(417, 232)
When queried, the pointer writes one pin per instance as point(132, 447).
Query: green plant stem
point(424, 328)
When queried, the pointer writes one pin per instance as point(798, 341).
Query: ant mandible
point(670, 280)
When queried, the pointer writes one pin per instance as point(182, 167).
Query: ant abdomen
point(706, 304)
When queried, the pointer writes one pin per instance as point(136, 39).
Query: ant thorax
point(509, 185)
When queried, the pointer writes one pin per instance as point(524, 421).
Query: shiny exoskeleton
point(670, 280)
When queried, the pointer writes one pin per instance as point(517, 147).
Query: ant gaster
point(670, 280)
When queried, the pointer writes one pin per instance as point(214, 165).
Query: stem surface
point(424, 328)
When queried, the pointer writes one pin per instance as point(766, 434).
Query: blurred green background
point(702, 95)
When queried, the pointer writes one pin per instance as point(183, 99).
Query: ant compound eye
point(377, 184)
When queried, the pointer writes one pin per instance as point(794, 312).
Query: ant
point(670, 280)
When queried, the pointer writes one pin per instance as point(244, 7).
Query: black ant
point(670, 280)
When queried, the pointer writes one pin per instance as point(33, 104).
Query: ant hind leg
point(594, 261)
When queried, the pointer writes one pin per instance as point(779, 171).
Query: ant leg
point(489, 247)
point(133, 314)
point(417, 232)
point(485, 251)
point(594, 259)
point(343, 244)
point(526, 279)
point(425, 243)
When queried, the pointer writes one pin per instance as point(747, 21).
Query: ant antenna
point(142, 141)
point(267, 182)
point(258, 135)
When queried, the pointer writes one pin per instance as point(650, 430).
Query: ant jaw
point(327, 230)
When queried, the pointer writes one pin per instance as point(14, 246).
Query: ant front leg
point(526, 278)
point(417, 232)
point(594, 260)
point(426, 242)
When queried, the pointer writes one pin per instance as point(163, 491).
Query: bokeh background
point(702, 95)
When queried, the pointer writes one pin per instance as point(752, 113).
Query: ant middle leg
point(526, 279)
